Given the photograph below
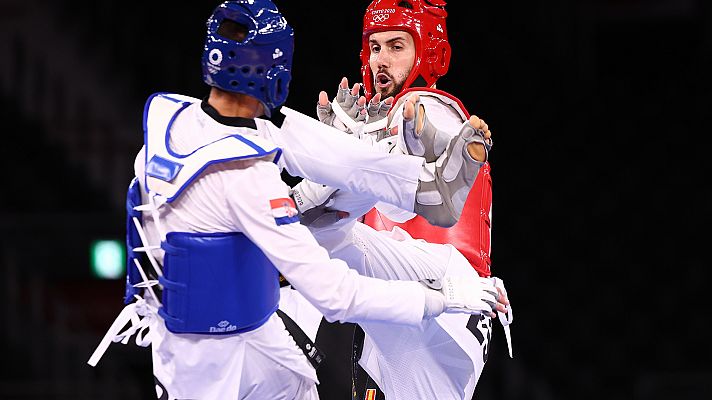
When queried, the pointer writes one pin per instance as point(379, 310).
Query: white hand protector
point(430, 142)
point(466, 294)
point(313, 201)
point(444, 185)
point(343, 113)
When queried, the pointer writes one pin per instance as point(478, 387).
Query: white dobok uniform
point(441, 358)
point(235, 196)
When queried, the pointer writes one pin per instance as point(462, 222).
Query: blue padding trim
point(165, 170)
point(200, 171)
point(168, 97)
point(168, 319)
point(170, 249)
point(170, 285)
point(146, 107)
point(168, 134)
point(133, 240)
point(286, 220)
point(216, 283)
point(246, 141)
point(278, 155)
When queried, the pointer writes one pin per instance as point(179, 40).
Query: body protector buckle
point(216, 283)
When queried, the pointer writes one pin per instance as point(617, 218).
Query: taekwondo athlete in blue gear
point(209, 211)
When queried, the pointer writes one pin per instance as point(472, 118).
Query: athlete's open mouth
point(382, 80)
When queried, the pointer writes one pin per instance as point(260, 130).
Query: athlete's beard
point(397, 86)
point(394, 92)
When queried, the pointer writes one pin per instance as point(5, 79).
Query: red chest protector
point(471, 234)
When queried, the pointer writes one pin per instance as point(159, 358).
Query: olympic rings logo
point(381, 17)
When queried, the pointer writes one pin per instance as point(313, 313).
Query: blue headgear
point(260, 65)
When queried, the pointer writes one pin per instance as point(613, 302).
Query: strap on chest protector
point(216, 283)
point(133, 241)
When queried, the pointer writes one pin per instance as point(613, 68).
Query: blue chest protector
point(213, 283)
point(216, 283)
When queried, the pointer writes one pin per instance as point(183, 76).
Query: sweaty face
point(392, 58)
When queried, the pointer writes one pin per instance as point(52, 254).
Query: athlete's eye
point(375, 48)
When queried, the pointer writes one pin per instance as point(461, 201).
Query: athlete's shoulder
point(171, 97)
point(169, 172)
point(265, 133)
point(161, 104)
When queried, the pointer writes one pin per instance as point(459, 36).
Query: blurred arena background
point(600, 111)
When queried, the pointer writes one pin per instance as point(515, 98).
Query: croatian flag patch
point(284, 211)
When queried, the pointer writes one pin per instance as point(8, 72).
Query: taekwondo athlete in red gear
point(425, 22)
point(391, 26)
point(209, 211)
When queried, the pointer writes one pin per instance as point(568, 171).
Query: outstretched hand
point(348, 100)
point(476, 150)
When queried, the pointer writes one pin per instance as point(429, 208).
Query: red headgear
point(425, 21)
